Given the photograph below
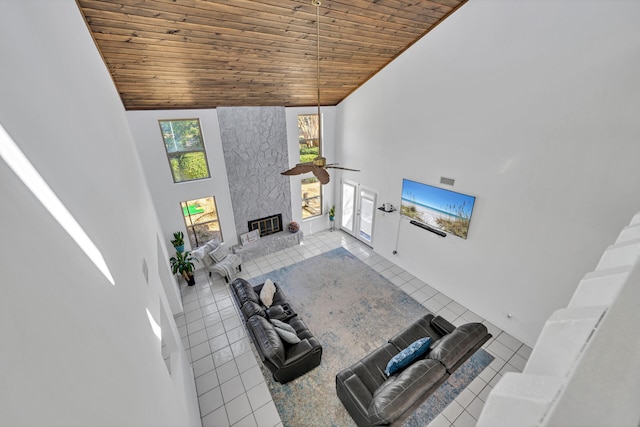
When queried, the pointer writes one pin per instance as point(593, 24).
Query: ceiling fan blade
point(299, 169)
point(321, 174)
point(340, 167)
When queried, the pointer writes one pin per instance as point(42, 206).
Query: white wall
point(604, 388)
point(166, 194)
point(531, 107)
point(75, 349)
point(583, 370)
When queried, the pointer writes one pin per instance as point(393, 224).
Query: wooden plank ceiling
point(179, 54)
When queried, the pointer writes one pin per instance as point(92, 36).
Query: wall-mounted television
point(436, 207)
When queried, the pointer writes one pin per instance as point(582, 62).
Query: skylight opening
point(22, 167)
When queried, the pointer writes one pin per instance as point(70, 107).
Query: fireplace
point(267, 225)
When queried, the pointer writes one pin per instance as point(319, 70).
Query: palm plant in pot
point(182, 263)
point(178, 241)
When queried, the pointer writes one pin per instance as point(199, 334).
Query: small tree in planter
point(178, 241)
point(182, 263)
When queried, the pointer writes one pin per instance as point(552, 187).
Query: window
point(311, 189)
point(201, 219)
point(185, 149)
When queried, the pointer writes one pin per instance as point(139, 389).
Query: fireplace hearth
point(267, 225)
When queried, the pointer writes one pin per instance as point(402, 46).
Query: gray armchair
point(217, 259)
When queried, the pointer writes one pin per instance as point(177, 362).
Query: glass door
point(347, 222)
point(367, 203)
point(358, 211)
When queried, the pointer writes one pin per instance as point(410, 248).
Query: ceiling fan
point(319, 165)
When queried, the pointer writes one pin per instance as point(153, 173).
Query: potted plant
point(182, 263)
point(332, 217)
point(178, 241)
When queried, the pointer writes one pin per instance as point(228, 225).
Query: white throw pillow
point(267, 293)
point(218, 253)
point(200, 253)
point(213, 243)
point(285, 331)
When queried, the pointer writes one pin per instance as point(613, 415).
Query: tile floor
point(231, 388)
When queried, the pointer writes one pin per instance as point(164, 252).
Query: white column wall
point(77, 351)
point(166, 194)
point(531, 107)
point(315, 224)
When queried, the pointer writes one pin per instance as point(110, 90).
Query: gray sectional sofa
point(286, 361)
point(372, 398)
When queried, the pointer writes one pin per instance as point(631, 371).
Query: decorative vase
point(294, 227)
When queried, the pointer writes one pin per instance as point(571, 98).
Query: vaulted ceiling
point(180, 54)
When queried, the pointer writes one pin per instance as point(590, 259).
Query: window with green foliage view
point(185, 149)
point(311, 189)
point(202, 221)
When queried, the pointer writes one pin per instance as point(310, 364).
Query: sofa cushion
point(285, 331)
point(442, 325)
point(451, 348)
point(356, 394)
point(267, 292)
point(408, 355)
point(300, 327)
point(400, 391)
point(370, 368)
point(251, 308)
point(244, 291)
point(280, 298)
point(271, 346)
point(279, 312)
point(207, 260)
point(418, 329)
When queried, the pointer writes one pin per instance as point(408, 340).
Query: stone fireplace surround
point(267, 225)
point(268, 244)
point(254, 143)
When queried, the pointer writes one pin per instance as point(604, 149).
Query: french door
point(358, 211)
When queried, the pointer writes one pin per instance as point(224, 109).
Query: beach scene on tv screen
point(439, 208)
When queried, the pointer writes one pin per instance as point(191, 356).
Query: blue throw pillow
point(408, 355)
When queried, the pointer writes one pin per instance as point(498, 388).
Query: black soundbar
point(426, 227)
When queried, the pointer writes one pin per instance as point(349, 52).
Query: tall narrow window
point(185, 149)
point(202, 221)
point(311, 189)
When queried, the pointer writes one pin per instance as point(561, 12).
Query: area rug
point(352, 310)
